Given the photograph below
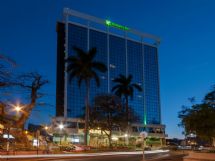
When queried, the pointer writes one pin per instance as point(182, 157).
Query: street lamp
point(61, 127)
point(18, 108)
point(26, 132)
point(46, 127)
point(47, 144)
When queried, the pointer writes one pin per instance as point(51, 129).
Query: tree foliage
point(199, 118)
point(85, 68)
point(6, 65)
point(124, 88)
point(33, 82)
point(107, 114)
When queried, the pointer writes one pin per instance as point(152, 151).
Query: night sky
point(186, 52)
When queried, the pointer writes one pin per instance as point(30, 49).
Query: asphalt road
point(149, 157)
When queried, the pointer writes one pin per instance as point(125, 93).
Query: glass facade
point(117, 58)
point(99, 40)
point(135, 67)
point(122, 56)
point(75, 95)
point(151, 85)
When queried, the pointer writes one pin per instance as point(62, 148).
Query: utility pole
point(37, 136)
point(8, 140)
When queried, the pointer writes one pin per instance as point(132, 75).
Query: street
point(149, 157)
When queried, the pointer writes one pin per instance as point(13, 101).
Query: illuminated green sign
point(145, 121)
point(112, 24)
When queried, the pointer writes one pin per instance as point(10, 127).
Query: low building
point(68, 130)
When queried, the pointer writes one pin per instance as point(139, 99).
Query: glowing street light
point(26, 132)
point(61, 126)
point(46, 127)
point(18, 108)
point(114, 138)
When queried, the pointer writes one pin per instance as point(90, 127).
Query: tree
point(199, 118)
point(124, 88)
point(32, 82)
point(105, 114)
point(84, 67)
point(210, 97)
point(5, 73)
point(108, 113)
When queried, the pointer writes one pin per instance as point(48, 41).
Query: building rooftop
point(67, 12)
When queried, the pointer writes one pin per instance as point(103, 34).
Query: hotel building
point(124, 51)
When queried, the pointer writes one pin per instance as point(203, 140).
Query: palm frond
point(84, 67)
point(99, 66)
point(80, 79)
point(71, 59)
point(73, 74)
point(124, 86)
point(116, 87)
point(118, 93)
point(71, 67)
point(119, 80)
point(122, 76)
point(138, 87)
point(129, 78)
point(131, 92)
point(81, 53)
point(95, 76)
point(92, 53)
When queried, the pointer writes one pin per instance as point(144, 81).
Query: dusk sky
point(186, 53)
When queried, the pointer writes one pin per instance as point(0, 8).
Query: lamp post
point(47, 145)
point(37, 136)
point(17, 108)
point(8, 140)
point(61, 127)
point(143, 135)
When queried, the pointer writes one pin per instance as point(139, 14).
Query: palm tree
point(83, 67)
point(124, 88)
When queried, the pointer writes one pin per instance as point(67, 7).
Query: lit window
point(103, 77)
point(112, 66)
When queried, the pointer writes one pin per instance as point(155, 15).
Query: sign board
point(35, 142)
point(75, 140)
point(112, 24)
point(144, 134)
point(5, 136)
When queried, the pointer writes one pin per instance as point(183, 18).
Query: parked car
point(204, 148)
point(184, 147)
